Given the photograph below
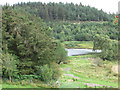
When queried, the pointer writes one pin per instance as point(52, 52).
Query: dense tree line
point(27, 47)
point(82, 31)
point(61, 11)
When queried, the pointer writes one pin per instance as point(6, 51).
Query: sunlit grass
point(15, 86)
point(78, 44)
point(24, 84)
point(87, 72)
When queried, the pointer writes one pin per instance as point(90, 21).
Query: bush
point(109, 47)
point(59, 53)
point(49, 73)
point(56, 71)
point(9, 65)
point(46, 73)
point(27, 77)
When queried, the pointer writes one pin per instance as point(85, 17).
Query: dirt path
point(71, 75)
point(67, 69)
point(75, 74)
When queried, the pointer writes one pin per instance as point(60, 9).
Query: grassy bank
point(78, 44)
point(15, 86)
point(24, 85)
point(88, 71)
point(83, 71)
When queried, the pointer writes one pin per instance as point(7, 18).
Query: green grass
point(33, 85)
point(24, 84)
point(78, 44)
point(80, 70)
point(0, 86)
point(84, 68)
point(15, 86)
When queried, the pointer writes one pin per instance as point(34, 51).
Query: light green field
point(85, 69)
point(15, 86)
point(78, 44)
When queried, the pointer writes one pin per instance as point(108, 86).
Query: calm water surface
point(72, 52)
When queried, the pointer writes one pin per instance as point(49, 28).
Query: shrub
point(46, 73)
point(109, 47)
point(49, 73)
point(56, 71)
point(59, 53)
point(9, 65)
point(27, 77)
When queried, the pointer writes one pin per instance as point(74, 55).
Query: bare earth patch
point(67, 69)
point(94, 85)
point(71, 75)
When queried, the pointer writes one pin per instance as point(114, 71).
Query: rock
point(70, 80)
point(115, 69)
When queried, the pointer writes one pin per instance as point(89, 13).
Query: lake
point(72, 52)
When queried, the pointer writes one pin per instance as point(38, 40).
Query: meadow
point(78, 44)
point(88, 71)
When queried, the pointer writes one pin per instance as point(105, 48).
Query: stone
point(116, 69)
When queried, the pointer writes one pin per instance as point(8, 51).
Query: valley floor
point(85, 71)
point(88, 71)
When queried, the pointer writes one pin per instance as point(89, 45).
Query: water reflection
point(72, 52)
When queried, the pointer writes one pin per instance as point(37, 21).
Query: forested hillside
point(61, 11)
point(33, 34)
point(82, 31)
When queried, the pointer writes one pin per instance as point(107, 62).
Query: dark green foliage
point(29, 38)
point(118, 37)
point(27, 77)
point(46, 73)
point(61, 53)
point(9, 65)
point(61, 11)
point(82, 31)
point(50, 72)
point(56, 70)
point(109, 47)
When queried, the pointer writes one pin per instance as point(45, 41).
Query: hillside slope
point(61, 11)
